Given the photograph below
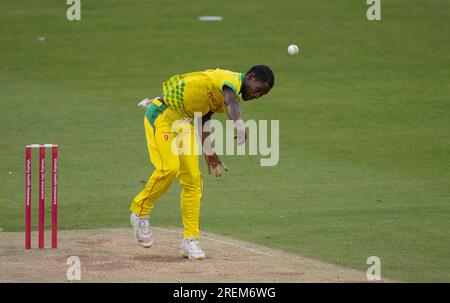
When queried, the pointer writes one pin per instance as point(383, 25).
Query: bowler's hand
point(145, 103)
point(241, 136)
point(215, 165)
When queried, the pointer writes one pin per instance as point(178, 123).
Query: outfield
point(364, 121)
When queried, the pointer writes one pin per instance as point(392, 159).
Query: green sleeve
point(231, 86)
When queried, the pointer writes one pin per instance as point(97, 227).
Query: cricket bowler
point(206, 92)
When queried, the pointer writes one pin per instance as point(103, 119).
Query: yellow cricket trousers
point(170, 165)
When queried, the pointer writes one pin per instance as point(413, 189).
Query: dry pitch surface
point(112, 255)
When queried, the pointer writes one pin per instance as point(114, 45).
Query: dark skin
point(251, 89)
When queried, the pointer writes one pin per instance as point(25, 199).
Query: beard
point(244, 93)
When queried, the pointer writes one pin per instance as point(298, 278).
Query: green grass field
point(364, 120)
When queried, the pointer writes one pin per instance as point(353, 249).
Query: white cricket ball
point(293, 49)
point(10, 172)
point(41, 39)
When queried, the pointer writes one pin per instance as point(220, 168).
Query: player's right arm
point(234, 113)
point(212, 159)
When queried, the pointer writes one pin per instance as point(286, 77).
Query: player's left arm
point(234, 113)
point(206, 131)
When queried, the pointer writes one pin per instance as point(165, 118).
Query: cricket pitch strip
point(112, 255)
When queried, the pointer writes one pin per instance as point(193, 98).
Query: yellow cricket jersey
point(200, 91)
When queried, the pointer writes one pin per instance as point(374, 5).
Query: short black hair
point(263, 73)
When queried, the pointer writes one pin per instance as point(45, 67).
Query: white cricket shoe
point(191, 249)
point(142, 232)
